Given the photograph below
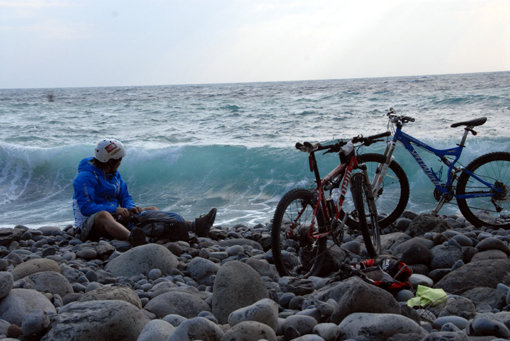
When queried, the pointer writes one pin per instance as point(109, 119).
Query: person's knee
point(151, 208)
point(102, 217)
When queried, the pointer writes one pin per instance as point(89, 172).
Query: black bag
point(161, 225)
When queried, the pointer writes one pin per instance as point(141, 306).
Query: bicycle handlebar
point(394, 118)
point(336, 147)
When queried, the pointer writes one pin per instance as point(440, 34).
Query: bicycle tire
point(392, 197)
point(493, 168)
point(310, 253)
point(359, 198)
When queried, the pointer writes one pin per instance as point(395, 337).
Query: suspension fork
point(369, 193)
point(380, 173)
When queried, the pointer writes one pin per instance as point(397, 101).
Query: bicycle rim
point(295, 251)
point(391, 199)
point(493, 211)
point(361, 205)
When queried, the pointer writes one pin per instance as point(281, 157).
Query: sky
point(82, 43)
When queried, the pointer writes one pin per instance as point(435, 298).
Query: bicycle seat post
point(464, 137)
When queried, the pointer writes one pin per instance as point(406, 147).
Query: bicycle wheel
point(493, 210)
point(369, 230)
point(392, 196)
point(295, 251)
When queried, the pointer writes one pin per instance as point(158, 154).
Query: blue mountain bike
point(481, 188)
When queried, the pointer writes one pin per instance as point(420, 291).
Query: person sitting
point(102, 204)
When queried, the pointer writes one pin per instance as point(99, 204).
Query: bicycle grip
point(373, 137)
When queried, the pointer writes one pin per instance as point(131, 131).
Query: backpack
point(159, 225)
point(387, 273)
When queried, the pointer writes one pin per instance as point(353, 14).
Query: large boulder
point(236, 285)
point(359, 296)
point(98, 321)
point(484, 273)
point(142, 259)
point(20, 302)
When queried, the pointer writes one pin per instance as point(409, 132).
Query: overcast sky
point(63, 43)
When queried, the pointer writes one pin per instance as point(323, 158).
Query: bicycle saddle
point(472, 123)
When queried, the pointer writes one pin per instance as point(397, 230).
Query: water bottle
point(335, 195)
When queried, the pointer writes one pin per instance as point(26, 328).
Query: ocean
point(230, 146)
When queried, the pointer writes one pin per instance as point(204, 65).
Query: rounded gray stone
point(156, 330)
point(249, 331)
point(198, 328)
point(142, 259)
point(236, 285)
point(112, 293)
point(378, 327)
point(263, 311)
point(6, 282)
point(35, 322)
point(34, 265)
point(48, 281)
point(302, 323)
point(201, 270)
point(19, 302)
point(177, 302)
point(328, 331)
point(98, 321)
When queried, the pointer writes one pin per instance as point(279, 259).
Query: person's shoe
point(204, 222)
point(137, 237)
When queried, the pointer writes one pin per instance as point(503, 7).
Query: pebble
point(225, 287)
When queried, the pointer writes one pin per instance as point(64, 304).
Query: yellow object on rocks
point(426, 296)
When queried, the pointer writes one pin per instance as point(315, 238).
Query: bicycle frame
point(446, 188)
point(345, 169)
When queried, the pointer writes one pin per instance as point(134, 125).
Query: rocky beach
point(225, 288)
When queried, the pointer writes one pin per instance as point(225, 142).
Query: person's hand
point(122, 212)
point(135, 210)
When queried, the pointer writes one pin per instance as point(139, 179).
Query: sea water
point(230, 146)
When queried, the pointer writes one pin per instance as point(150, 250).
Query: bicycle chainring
point(438, 195)
point(337, 232)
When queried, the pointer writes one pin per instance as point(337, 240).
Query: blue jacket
point(95, 191)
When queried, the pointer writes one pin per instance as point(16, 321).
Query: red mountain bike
point(305, 219)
